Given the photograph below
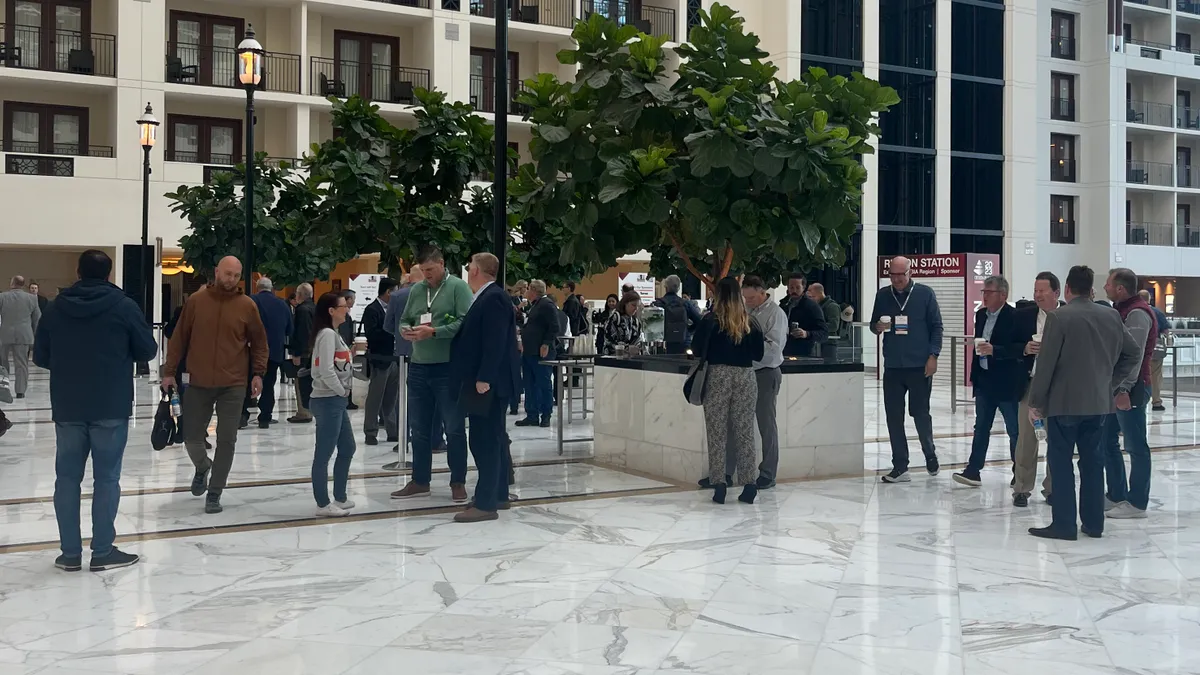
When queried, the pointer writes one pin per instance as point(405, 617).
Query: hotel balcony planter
point(650, 20)
point(59, 51)
point(374, 82)
point(483, 95)
point(1150, 234)
point(218, 67)
point(1062, 47)
point(1138, 172)
point(560, 13)
point(1062, 170)
point(1151, 113)
point(1189, 237)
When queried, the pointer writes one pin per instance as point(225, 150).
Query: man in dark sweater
point(301, 351)
point(806, 322)
point(537, 343)
point(277, 319)
point(89, 339)
point(907, 315)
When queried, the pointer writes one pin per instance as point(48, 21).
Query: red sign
point(926, 266)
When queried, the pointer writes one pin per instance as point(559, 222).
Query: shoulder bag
point(693, 386)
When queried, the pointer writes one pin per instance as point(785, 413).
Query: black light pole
point(148, 124)
point(500, 181)
point(250, 54)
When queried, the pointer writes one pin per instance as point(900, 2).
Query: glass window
point(45, 129)
point(203, 139)
point(909, 123)
point(1062, 158)
point(906, 33)
point(1062, 97)
point(892, 242)
point(1062, 219)
point(1062, 35)
point(976, 117)
point(976, 193)
point(977, 41)
point(832, 28)
point(906, 189)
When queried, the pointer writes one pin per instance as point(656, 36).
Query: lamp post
point(500, 180)
point(250, 56)
point(148, 126)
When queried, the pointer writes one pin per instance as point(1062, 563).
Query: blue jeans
point(1064, 435)
point(539, 388)
point(431, 393)
point(1131, 423)
point(985, 413)
point(333, 431)
point(105, 441)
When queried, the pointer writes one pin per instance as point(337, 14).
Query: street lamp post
point(148, 126)
point(250, 56)
point(500, 180)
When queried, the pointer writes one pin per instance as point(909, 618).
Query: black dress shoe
point(1091, 533)
point(748, 494)
point(264, 424)
point(1021, 500)
point(719, 494)
point(1051, 533)
point(545, 422)
point(352, 406)
point(244, 422)
point(764, 483)
point(371, 440)
point(706, 483)
point(527, 422)
point(20, 395)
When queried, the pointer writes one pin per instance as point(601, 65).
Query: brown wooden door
point(366, 64)
point(483, 77)
point(48, 31)
point(209, 44)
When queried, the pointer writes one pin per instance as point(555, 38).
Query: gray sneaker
point(897, 477)
point(1125, 510)
point(1109, 504)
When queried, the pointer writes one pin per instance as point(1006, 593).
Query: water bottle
point(176, 410)
point(1039, 429)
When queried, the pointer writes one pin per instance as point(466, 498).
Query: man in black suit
point(998, 373)
point(483, 366)
point(277, 319)
point(538, 337)
point(807, 327)
point(384, 387)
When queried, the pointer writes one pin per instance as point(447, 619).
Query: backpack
point(675, 322)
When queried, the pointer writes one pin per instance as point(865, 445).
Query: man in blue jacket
point(277, 319)
point(89, 340)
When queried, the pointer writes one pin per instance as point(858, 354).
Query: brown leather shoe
point(458, 493)
point(474, 515)
point(504, 506)
point(411, 490)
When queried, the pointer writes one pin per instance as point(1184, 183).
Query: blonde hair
point(730, 310)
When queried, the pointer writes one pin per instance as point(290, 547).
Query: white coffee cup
point(885, 320)
point(980, 341)
point(1037, 338)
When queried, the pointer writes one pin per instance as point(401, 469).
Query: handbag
point(697, 377)
point(164, 424)
point(6, 390)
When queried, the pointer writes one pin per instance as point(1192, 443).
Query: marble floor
point(604, 574)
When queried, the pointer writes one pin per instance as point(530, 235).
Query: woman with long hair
point(730, 343)
point(624, 327)
point(332, 376)
point(600, 320)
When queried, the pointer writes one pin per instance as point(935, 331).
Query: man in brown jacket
point(220, 331)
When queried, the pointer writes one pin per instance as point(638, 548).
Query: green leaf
point(553, 134)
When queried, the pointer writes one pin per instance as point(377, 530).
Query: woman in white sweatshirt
point(331, 374)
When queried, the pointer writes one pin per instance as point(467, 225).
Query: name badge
point(901, 324)
point(426, 319)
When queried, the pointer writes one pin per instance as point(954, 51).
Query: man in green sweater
point(432, 317)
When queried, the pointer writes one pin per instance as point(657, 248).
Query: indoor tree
point(723, 163)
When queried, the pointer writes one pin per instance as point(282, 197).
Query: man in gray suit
point(19, 316)
point(1085, 356)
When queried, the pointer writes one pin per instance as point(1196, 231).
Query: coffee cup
point(885, 320)
point(1037, 338)
point(980, 341)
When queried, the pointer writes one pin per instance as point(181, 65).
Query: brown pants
point(1156, 364)
point(1027, 454)
point(199, 403)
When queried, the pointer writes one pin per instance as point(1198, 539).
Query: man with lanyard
point(1163, 330)
point(1046, 292)
point(907, 315)
point(1129, 499)
point(432, 317)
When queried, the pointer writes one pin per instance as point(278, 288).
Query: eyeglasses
point(989, 290)
point(898, 274)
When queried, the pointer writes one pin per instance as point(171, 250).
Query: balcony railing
point(60, 51)
point(382, 83)
point(483, 95)
point(1149, 112)
point(1161, 4)
point(1189, 237)
point(1062, 47)
point(1187, 176)
point(1187, 118)
point(1062, 231)
point(1149, 173)
point(420, 4)
point(218, 67)
point(74, 149)
point(193, 157)
point(1146, 48)
point(1062, 170)
point(1188, 6)
point(559, 13)
point(1062, 109)
point(650, 20)
point(1150, 234)
point(31, 165)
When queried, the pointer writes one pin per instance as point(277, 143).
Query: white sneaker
point(1125, 510)
point(1109, 504)
point(331, 510)
point(346, 505)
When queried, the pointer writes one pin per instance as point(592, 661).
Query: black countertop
point(680, 365)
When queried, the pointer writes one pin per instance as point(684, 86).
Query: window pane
point(25, 131)
point(976, 194)
point(188, 36)
point(222, 145)
point(348, 69)
point(68, 24)
point(187, 142)
point(224, 55)
point(906, 30)
point(66, 134)
point(832, 28)
point(910, 122)
point(977, 42)
point(27, 33)
point(976, 120)
point(906, 189)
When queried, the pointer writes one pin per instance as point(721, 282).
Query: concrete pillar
point(1022, 218)
point(941, 131)
point(869, 250)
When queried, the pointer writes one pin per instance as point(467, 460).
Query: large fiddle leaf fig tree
point(717, 159)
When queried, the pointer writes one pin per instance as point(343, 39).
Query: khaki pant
point(1026, 463)
point(1156, 364)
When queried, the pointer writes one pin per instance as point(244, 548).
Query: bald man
point(829, 307)
point(907, 315)
point(222, 334)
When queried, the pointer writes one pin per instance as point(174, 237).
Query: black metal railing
point(1062, 170)
point(386, 84)
point(559, 13)
point(1148, 49)
point(420, 4)
point(1149, 112)
point(1188, 6)
point(651, 20)
point(218, 67)
point(1062, 47)
point(1149, 173)
point(277, 161)
point(1161, 4)
point(75, 149)
point(60, 51)
point(193, 157)
point(1150, 234)
point(483, 95)
point(1189, 237)
point(1062, 231)
point(1062, 109)
point(27, 165)
point(1187, 118)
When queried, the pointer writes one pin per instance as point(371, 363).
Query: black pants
point(266, 400)
point(898, 382)
point(676, 347)
point(305, 381)
point(488, 447)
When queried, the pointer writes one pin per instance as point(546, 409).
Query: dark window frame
point(205, 69)
point(366, 87)
point(206, 124)
point(825, 26)
point(46, 114)
point(1057, 144)
point(977, 40)
point(1062, 219)
point(1062, 109)
point(48, 28)
point(1063, 46)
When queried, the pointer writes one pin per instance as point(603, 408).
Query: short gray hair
point(997, 282)
point(304, 292)
point(265, 284)
point(538, 286)
point(672, 283)
point(1125, 278)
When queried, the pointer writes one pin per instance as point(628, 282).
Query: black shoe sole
point(1093, 535)
point(112, 566)
point(70, 568)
